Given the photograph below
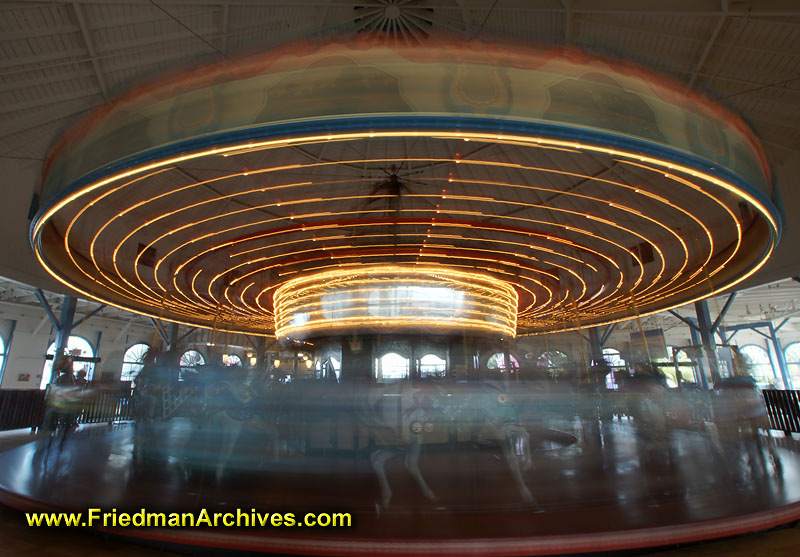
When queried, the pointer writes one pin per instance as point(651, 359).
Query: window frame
point(132, 375)
point(52, 345)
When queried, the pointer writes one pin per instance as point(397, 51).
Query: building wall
point(679, 336)
point(33, 333)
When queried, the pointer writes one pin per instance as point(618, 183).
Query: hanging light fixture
point(253, 361)
point(276, 362)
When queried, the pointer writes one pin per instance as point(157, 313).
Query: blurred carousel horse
point(401, 415)
point(63, 407)
point(656, 410)
point(165, 413)
point(238, 408)
point(739, 413)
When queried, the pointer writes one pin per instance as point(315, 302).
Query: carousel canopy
point(196, 197)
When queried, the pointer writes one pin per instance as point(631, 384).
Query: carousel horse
point(64, 404)
point(238, 408)
point(165, 413)
point(65, 399)
point(399, 416)
point(739, 413)
point(654, 410)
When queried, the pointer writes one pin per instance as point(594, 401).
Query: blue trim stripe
point(423, 122)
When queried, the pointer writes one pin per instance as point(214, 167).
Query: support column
point(784, 369)
point(707, 337)
point(65, 324)
point(600, 368)
point(261, 353)
point(460, 358)
point(172, 336)
point(90, 376)
point(701, 370)
point(9, 342)
point(357, 358)
point(507, 365)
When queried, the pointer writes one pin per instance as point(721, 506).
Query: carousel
point(396, 222)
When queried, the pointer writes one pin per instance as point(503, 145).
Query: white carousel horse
point(235, 408)
point(401, 415)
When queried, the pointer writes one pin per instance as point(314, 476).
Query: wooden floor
point(19, 539)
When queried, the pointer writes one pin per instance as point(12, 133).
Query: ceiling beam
point(185, 335)
point(106, 24)
point(9, 127)
point(778, 99)
point(607, 333)
point(89, 315)
point(50, 101)
point(13, 85)
point(47, 309)
point(181, 34)
point(787, 8)
point(650, 29)
point(710, 43)
point(723, 312)
point(223, 28)
point(759, 48)
point(72, 56)
point(121, 316)
point(686, 320)
point(27, 34)
point(160, 330)
point(149, 62)
point(87, 41)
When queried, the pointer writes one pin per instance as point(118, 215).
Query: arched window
point(2, 352)
point(233, 360)
point(615, 362)
point(431, 365)
point(792, 354)
point(552, 359)
point(391, 367)
point(613, 358)
point(133, 361)
point(553, 362)
point(498, 361)
point(189, 360)
point(76, 346)
point(758, 363)
point(336, 365)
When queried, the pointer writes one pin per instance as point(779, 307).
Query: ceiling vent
point(407, 22)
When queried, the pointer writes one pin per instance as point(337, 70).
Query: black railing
point(20, 409)
point(783, 408)
point(107, 406)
